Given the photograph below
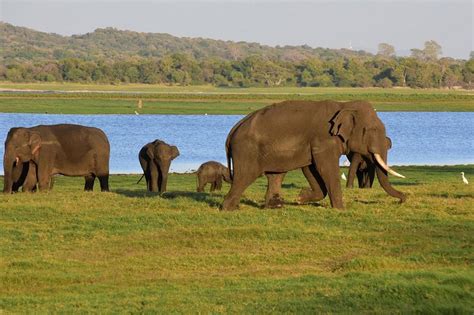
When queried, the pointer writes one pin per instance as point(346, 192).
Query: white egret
point(464, 179)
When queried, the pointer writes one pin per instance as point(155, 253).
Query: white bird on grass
point(464, 179)
point(137, 113)
point(343, 176)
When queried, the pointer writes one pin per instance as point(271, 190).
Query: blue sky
point(332, 24)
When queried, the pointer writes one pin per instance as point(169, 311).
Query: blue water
point(418, 138)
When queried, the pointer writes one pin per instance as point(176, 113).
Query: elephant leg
point(213, 186)
point(327, 165)
point(219, 183)
point(104, 182)
point(44, 178)
point(89, 182)
point(243, 177)
point(30, 183)
point(370, 176)
point(361, 178)
point(103, 171)
point(318, 189)
point(201, 184)
point(365, 183)
point(163, 171)
point(273, 196)
point(352, 173)
point(148, 180)
point(154, 174)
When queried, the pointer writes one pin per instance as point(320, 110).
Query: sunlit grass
point(133, 251)
point(122, 99)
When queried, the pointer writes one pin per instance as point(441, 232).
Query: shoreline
point(193, 171)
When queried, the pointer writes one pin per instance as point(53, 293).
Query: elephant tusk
point(385, 166)
point(17, 160)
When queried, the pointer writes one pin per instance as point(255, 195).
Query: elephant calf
point(24, 176)
point(155, 159)
point(212, 172)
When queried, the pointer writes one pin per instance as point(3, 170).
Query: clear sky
point(333, 24)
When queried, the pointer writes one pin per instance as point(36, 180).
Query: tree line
point(114, 56)
point(182, 69)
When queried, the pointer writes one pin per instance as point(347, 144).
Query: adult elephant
point(155, 159)
point(308, 135)
point(363, 168)
point(65, 149)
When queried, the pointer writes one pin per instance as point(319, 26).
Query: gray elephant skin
point(155, 159)
point(213, 173)
point(307, 135)
point(364, 169)
point(47, 150)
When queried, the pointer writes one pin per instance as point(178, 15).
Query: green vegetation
point(131, 251)
point(109, 99)
point(113, 56)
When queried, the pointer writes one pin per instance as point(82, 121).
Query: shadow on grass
point(451, 195)
point(400, 183)
point(213, 199)
point(208, 198)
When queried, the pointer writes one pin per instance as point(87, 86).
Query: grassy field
point(110, 99)
point(131, 251)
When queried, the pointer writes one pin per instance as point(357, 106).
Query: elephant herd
point(271, 141)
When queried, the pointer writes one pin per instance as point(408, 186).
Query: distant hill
point(21, 43)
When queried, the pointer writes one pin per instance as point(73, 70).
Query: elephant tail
point(228, 152)
point(141, 178)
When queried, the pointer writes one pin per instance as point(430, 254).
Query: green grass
point(122, 99)
point(131, 251)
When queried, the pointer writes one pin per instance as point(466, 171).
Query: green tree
point(432, 50)
point(386, 50)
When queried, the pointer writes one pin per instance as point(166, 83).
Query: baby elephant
point(155, 159)
point(212, 172)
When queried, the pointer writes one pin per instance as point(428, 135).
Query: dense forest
point(114, 56)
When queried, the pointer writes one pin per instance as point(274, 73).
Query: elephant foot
point(307, 195)
point(229, 209)
point(275, 202)
point(229, 206)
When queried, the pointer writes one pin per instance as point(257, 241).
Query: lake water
point(423, 138)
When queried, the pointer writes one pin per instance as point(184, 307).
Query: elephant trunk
point(383, 180)
point(8, 164)
point(165, 167)
point(226, 175)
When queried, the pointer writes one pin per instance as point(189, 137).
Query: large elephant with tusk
point(363, 168)
point(66, 149)
point(307, 135)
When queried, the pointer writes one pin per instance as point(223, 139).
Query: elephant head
point(21, 146)
point(162, 154)
point(226, 175)
point(361, 131)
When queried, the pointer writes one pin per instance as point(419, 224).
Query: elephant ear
point(343, 123)
point(389, 143)
point(35, 142)
point(149, 151)
point(174, 151)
